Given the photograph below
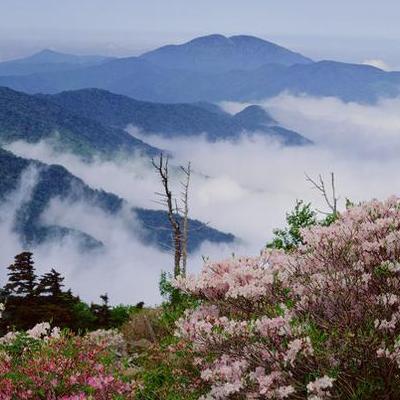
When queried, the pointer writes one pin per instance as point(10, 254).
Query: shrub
point(164, 363)
point(120, 314)
point(47, 364)
point(144, 325)
point(320, 321)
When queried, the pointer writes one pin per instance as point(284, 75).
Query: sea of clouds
point(244, 187)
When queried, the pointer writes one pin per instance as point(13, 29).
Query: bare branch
point(330, 200)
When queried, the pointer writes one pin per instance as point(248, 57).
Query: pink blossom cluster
point(319, 388)
point(59, 366)
point(249, 278)
point(245, 328)
point(310, 323)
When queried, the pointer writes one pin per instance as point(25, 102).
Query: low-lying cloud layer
point(243, 187)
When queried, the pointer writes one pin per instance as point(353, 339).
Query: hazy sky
point(350, 30)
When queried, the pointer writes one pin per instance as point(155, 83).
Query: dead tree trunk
point(178, 217)
point(172, 210)
point(185, 222)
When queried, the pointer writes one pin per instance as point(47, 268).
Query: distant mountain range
point(47, 61)
point(92, 121)
point(170, 120)
point(32, 118)
point(83, 104)
point(211, 69)
point(54, 181)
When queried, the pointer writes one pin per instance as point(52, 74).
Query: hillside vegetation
point(314, 316)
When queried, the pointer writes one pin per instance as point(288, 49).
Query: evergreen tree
point(22, 277)
point(105, 299)
point(102, 312)
point(51, 283)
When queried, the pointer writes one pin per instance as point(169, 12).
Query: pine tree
point(105, 299)
point(22, 277)
point(102, 312)
point(51, 283)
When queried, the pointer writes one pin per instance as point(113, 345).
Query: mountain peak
point(46, 52)
point(248, 39)
point(209, 39)
point(48, 56)
point(218, 53)
point(255, 116)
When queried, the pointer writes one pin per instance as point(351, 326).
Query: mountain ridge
point(203, 71)
point(170, 119)
point(32, 118)
point(48, 60)
point(55, 181)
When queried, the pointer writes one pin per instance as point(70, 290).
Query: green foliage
point(166, 367)
point(17, 347)
point(329, 219)
point(290, 237)
point(22, 277)
point(162, 382)
point(84, 316)
point(51, 283)
point(120, 314)
point(175, 302)
point(301, 217)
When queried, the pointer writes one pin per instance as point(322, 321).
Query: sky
point(355, 30)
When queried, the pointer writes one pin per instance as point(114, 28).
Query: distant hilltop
point(219, 53)
point(206, 69)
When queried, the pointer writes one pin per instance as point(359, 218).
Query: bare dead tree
point(178, 217)
point(185, 222)
point(330, 198)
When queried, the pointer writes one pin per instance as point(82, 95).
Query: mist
point(244, 187)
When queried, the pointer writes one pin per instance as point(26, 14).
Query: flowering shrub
point(321, 321)
point(110, 338)
point(43, 363)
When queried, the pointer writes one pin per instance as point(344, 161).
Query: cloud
point(346, 129)
point(244, 187)
point(125, 268)
point(378, 64)
point(11, 204)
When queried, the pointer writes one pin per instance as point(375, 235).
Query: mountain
point(138, 78)
point(349, 82)
point(54, 181)
point(54, 57)
point(184, 74)
point(47, 61)
point(217, 53)
point(254, 118)
point(212, 107)
point(170, 120)
point(31, 118)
